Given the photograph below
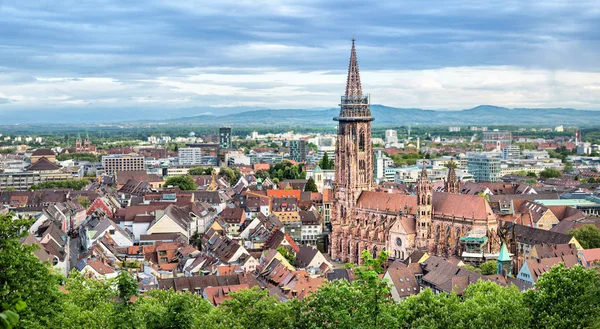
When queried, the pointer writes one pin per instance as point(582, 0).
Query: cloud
point(293, 53)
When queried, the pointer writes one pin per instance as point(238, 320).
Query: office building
point(483, 167)
point(122, 162)
point(225, 137)
point(499, 139)
point(298, 150)
point(511, 152)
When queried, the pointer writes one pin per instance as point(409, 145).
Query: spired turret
point(354, 106)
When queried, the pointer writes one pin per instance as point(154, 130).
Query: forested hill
point(384, 115)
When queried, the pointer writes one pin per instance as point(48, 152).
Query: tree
point(363, 303)
point(167, 309)
point(325, 164)
point(24, 277)
point(85, 202)
point(200, 171)
point(311, 186)
point(550, 173)
point(285, 252)
point(531, 181)
point(232, 175)
point(588, 236)
point(252, 308)
point(488, 268)
point(565, 298)
point(185, 183)
point(485, 304)
point(75, 184)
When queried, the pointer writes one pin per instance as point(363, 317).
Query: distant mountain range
point(384, 116)
point(390, 116)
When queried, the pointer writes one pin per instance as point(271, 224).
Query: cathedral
point(363, 219)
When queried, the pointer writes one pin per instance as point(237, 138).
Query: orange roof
point(327, 195)
point(284, 194)
point(292, 243)
point(462, 206)
point(261, 166)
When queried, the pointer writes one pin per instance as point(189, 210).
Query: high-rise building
point(225, 137)
point(511, 152)
point(298, 150)
point(122, 162)
point(484, 168)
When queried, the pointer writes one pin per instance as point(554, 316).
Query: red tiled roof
point(392, 202)
point(462, 206)
point(284, 194)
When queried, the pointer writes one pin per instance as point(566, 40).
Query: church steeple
point(451, 184)
point(353, 86)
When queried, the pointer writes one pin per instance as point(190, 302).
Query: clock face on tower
point(399, 242)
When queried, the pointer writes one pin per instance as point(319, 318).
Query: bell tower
point(424, 193)
point(353, 154)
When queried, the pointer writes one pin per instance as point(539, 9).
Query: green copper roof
point(504, 256)
point(318, 169)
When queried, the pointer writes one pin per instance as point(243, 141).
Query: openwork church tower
point(354, 150)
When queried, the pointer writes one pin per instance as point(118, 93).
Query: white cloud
point(444, 88)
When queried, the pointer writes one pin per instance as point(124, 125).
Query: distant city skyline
point(294, 54)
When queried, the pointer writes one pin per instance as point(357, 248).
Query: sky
point(450, 54)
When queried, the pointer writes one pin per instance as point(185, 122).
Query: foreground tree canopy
point(563, 298)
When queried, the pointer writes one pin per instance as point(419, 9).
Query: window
point(162, 253)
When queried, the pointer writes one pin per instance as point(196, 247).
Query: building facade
point(122, 162)
point(483, 167)
point(225, 137)
point(298, 150)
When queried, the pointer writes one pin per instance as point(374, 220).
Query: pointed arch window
point(361, 140)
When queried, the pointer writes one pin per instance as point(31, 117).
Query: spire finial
point(353, 86)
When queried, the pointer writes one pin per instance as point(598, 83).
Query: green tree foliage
point(285, 252)
point(488, 268)
point(262, 174)
point(7, 151)
point(252, 308)
point(325, 164)
point(85, 202)
point(550, 173)
point(201, 171)
point(185, 183)
point(488, 305)
point(79, 156)
point(588, 236)
point(311, 186)
point(24, 277)
point(565, 298)
point(531, 181)
point(75, 184)
point(232, 175)
point(363, 303)
point(166, 309)
point(286, 170)
point(312, 146)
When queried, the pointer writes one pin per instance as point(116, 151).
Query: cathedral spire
point(353, 86)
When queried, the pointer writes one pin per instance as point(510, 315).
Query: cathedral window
point(361, 140)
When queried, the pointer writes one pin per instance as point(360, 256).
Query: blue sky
point(293, 54)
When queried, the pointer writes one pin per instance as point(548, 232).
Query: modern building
point(20, 181)
point(511, 152)
point(225, 137)
point(391, 136)
point(298, 150)
point(193, 156)
point(122, 162)
point(483, 167)
point(499, 139)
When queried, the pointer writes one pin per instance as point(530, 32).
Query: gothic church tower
point(424, 193)
point(353, 154)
